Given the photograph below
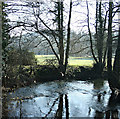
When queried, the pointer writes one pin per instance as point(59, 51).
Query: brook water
point(62, 98)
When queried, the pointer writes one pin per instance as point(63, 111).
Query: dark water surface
point(63, 99)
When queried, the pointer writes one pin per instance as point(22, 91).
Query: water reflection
point(99, 115)
point(67, 106)
point(113, 107)
point(64, 99)
point(60, 108)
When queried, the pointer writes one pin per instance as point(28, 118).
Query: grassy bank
point(45, 71)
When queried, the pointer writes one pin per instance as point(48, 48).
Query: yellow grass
point(73, 61)
point(80, 62)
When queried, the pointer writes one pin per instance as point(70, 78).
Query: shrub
point(23, 57)
point(47, 73)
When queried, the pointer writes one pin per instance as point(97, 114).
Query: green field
point(72, 61)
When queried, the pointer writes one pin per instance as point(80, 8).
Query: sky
point(79, 15)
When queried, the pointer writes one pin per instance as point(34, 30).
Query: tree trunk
point(0, 59)
point(68, 37)
point(100, 31)
point(105, 51)
point(0, 43)
point(60, 35)
point(100, 36)
point(116, 66)
point(96, 27)
point(115, 82)
point(109, 54)
point(90, 35)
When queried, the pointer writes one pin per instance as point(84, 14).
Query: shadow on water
point(64, 99)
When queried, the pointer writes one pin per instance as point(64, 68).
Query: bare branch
point(36, 25)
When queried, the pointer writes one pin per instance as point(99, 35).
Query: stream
point(63, 99)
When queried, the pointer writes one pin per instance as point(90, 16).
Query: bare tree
point(47, 22)
point(100, 29)
point(90, 35)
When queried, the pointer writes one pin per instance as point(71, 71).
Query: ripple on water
point(83, 99)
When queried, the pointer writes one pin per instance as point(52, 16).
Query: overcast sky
point(79, 15)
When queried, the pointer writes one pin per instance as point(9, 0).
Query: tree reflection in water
point(112, 111)
point(114, 102)
point(20, 109)
point(52, 107)
point(59, 112)
point(95, 103)
point(60, 107)
point(67, 106)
